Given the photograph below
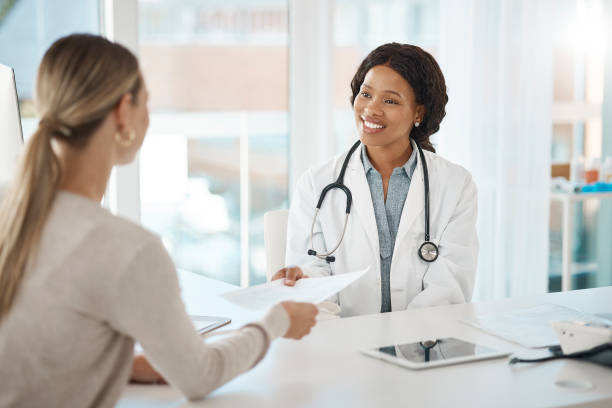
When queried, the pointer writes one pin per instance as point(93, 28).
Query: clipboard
point(206, 324)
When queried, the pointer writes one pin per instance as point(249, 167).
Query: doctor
point(397, 206)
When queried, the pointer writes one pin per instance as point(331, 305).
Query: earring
point(417, 124)
point(125, 142)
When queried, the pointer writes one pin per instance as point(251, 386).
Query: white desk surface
point(326, 368)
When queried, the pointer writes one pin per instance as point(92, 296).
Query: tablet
point(434, 353)
point(206, 324)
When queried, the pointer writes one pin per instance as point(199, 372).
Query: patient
point(78, 285)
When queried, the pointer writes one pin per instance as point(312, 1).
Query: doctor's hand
point(291, 274)
point(302, 317)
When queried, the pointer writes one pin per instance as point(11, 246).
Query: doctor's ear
point(420, 113)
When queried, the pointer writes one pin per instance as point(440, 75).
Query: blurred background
point(245, 95)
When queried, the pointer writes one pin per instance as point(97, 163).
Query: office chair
point(275, 240)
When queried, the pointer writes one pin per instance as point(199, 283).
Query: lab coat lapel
point(363, 208)
point(414, 204)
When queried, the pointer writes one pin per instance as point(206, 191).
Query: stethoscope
point(427, 345)
point(428, 251)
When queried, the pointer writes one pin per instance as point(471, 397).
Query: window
point(215, 157)
point(361, 26)
point(28, 28)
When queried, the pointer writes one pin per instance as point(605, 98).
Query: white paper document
point(530, 327)
point(313, 290)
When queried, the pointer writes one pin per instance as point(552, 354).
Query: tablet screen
point(435, 350)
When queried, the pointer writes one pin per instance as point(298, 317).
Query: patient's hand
point(291, 274)
point(302, 317)
point(143, 372)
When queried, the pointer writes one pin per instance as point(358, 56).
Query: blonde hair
point(81, 79)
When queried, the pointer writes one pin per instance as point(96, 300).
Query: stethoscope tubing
point(426, 185)
point(339, 184)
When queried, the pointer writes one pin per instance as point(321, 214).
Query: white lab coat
point(453, 210)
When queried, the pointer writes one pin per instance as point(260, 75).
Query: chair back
point(275, 240)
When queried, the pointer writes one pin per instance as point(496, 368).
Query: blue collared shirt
point(388, 214)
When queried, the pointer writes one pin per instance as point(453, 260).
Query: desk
point(327, 370)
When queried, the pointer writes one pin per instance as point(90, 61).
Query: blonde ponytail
point(80, 80)
point(23, 213)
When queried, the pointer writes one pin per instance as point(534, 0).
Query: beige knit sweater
point(97, 284)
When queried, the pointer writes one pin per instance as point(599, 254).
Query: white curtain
point(497, 59)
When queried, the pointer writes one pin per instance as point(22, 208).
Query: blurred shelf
point(576, 269)
point(575, 197)
point(567, 201)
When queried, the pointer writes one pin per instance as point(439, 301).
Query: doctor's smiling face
point(395, 87)
point(386, 109)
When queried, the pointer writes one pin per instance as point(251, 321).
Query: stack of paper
point(530, 327)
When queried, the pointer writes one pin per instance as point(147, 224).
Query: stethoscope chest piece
point(428, 251)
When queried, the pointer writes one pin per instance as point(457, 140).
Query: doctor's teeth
point(372, 125)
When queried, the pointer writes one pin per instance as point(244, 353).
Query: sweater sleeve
point(147, 306)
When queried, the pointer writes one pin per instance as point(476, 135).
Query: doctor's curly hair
point(422, 73)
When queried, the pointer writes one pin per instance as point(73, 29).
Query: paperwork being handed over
point(530, 327)
point(313, 290)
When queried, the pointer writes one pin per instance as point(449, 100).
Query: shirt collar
point(367, 166)
point(408, 167)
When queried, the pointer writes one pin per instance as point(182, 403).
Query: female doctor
point(394, 205)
